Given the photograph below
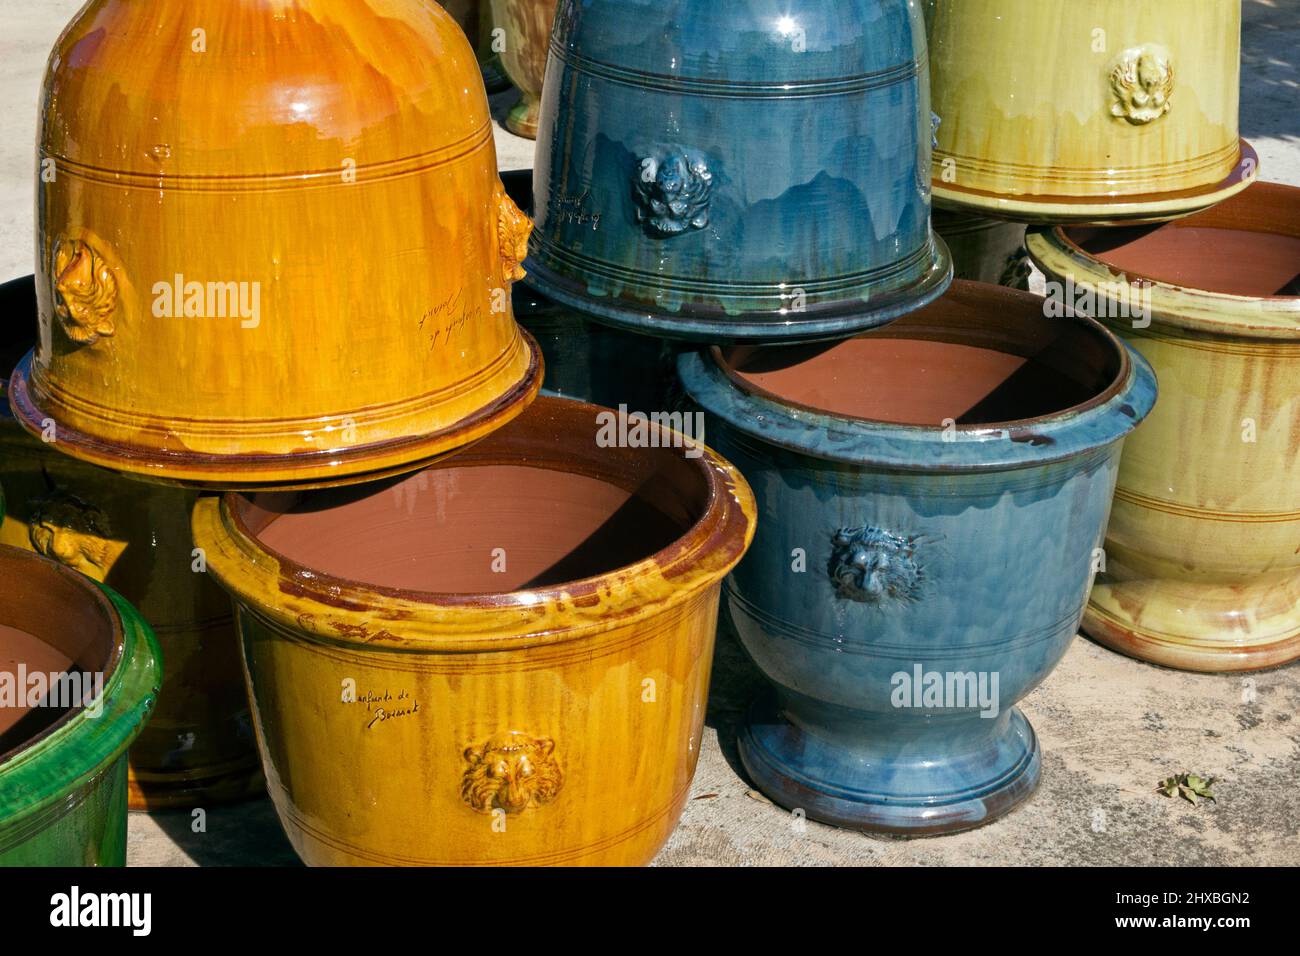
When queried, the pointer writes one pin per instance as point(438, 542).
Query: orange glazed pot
point(503, 659)
point(272, 246)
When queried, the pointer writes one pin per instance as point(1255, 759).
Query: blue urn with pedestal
point(757, 170)
point(932, 502)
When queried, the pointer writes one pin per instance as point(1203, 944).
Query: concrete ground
point(1110, 727)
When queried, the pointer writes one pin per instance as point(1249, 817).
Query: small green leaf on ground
point(1189, 786)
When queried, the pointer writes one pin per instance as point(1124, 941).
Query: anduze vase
point(587, 360)
point(63, 748)
point(527, 25)
point(242, 258)
point(755, 170)
point(932, 497)
point(1203, 553)
point(1086, 110)
point(198, 746)
point(503, 659)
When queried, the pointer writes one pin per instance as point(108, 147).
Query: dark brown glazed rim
point(18, 570)
point(712, 544)
point(976, 295)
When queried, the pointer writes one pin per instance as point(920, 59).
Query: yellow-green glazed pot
point(1202, 564)
point(63, 751)
point(1086, 110)
point(502, 659)
point(198, 747)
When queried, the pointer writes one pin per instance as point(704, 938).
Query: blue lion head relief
point(672, 192)
point(874, 566)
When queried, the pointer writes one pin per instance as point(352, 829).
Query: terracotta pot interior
point(52, 621)
point(482, 524)
point(979, 356)
point(1249, 246)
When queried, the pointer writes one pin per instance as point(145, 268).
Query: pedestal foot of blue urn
point(886, 783)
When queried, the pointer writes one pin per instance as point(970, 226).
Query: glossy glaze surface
point(63, 790)
point(1202, 568)
point(527, 25)
point(198, 746)
point(300, 171)
point(886, 547)
point(756, 170)
point(1066, 110)
point(558, 723)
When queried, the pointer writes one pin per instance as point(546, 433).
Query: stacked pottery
point(313, 337)
point(198, 746)
point(1202, 568)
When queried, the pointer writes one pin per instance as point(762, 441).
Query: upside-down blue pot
point(753, 170)
point(931, 498)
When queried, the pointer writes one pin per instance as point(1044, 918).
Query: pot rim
point(997, 446)
point(1119, 209)
point(339, 611)
point(1173, 305)
point(78, 747)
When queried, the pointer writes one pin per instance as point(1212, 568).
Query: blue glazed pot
point(950, 539)
point(585, 360)
point(756, 170)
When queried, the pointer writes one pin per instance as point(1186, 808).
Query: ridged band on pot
point(750, 171)
point(1086, 110)
point(198, 747)
point(898, 549)
point(63, 789)
point(1202, 570)
point(241, 286)
point(555, 723)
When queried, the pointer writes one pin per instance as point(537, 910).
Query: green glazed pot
point(63, 787)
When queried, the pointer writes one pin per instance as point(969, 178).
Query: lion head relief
point(511, 771)
point(72, 532)
point(513, 230)
point(1143, 83)
point(85, 291)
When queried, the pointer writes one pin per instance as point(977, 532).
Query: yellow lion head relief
point(511, 771)
point(72, 532)
point(513, 230)
point(1143, 83)
point(85, 291)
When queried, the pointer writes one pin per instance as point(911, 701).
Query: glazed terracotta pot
point(744, 171)
point(527, 39)
point(586, 360)
point(243, 287)
point(1202, 567)
point(1093, 110)
point(198, 747)
point(500, 660)
point(63, 751)
point(932, 494)
point(985, 250)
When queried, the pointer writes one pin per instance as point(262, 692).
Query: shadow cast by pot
point(735, 683)
point(238, 834)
